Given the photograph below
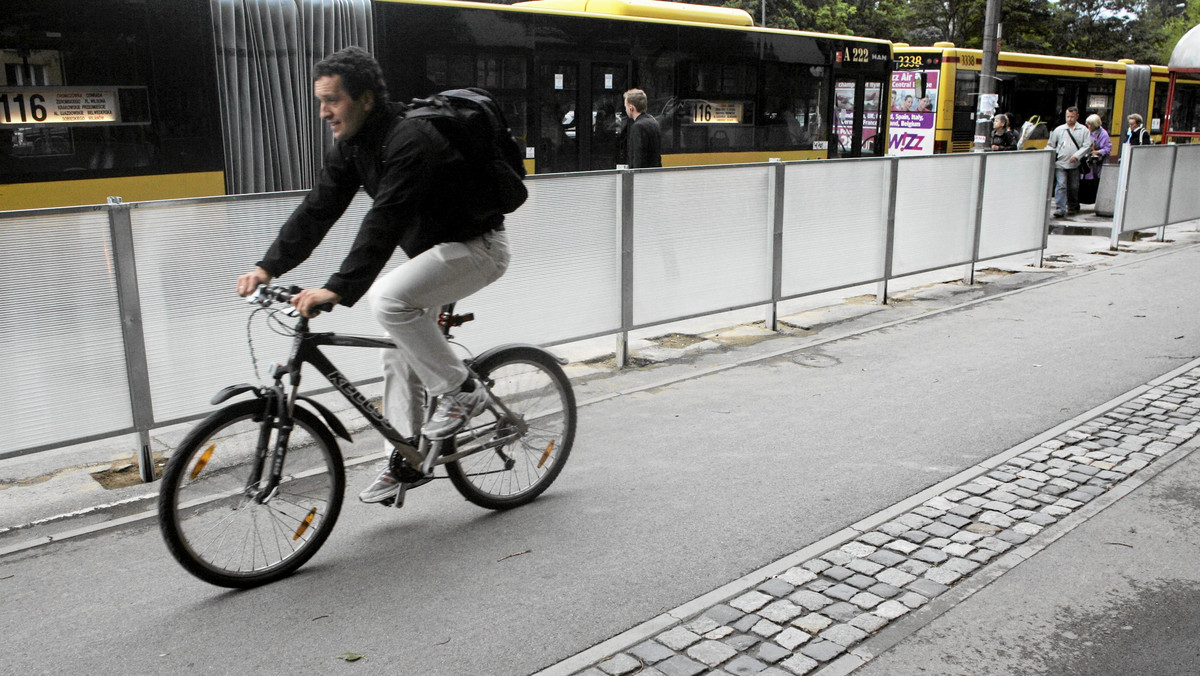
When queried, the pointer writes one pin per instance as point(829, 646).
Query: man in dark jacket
point(408, 169)
point(644, 139)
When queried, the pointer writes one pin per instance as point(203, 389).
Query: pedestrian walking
point(644, 139)
point(1072, 142)
point(1089, 173)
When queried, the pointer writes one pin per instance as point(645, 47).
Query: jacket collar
point(376, 125)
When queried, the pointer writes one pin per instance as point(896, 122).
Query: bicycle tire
point(203, 502)
point(532, 385)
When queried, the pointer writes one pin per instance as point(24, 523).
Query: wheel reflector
point(305, 523)
point(546, 455)
point(204, 458)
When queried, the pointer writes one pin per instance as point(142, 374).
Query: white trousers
point(406, 302)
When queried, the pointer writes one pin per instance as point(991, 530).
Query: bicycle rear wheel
point(207, 512)
point(532, 444)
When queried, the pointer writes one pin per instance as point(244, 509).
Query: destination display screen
point(28, 106)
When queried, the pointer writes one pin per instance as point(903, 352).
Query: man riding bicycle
point(413, 176)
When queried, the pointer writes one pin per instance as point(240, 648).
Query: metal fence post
point(775, 187)
point(130, 305)
point(969, 277)
point(1162, 232)
point(1123, 168)
point(625, 223)
point(889, 234)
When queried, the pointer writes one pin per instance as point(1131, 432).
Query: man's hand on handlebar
point(249, 282)
point(307, 300)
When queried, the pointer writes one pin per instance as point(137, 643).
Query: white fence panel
point(564, 280)
point(1185, 185)
point(1014, 202)
point(935, 212)
point(1148, 189)
point(189, 256)
point(701, 241)
point(60, 334)
point(834, 224)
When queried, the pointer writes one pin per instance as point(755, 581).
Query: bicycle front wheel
point(210, 512)
point(524, 446)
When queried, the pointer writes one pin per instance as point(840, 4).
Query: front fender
point(330, 419)
point(232, 391)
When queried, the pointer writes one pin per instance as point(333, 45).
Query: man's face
point(630, 110)
point(345, 115)
point(1072, 116)
point(1133, 122)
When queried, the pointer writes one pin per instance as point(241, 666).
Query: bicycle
point(254, 489)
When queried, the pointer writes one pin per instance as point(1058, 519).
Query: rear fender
point(485, 355)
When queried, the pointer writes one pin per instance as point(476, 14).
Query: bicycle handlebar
point(266, 295)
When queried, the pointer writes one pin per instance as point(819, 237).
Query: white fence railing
point(122, 318)
point(1157, 187)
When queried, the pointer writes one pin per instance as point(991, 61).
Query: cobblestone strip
point(812, 613)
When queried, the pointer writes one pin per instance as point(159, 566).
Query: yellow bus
point(1030, 86)
point(207, 97)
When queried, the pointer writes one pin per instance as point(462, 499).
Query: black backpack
point(473, 124)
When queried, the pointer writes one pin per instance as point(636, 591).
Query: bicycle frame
point(425, 455)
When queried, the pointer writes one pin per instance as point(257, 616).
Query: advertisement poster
point(844, 109)
point(913, 112)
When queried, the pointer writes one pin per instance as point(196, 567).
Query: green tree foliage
point(1143, 30)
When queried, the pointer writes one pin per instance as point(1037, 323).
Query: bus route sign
point(717, 112)
point(27, 106)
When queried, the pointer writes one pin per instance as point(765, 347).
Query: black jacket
point(645, 140)
point(1006, 140)
point(1141, 137)
point(414, 178)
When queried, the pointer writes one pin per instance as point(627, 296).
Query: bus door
point(858, 122)
point(557, 107)
point(610, 81)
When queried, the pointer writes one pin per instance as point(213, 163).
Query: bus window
point(558, 99)
point(656, 76)
point(793, 103)
point(966, 91)
point(1159, 109)
point(716, 112)
point(1100, 97)
point(609, 83)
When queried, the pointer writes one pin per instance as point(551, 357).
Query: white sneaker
point(385, 486)
point(454, 410)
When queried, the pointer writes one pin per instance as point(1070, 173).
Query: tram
point(148, 100)
point(935, 89)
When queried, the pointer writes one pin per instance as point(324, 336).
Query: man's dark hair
point(360, 72)
point(1072, 109)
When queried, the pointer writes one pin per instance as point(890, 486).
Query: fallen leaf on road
point(512, 555)
point(350, 657)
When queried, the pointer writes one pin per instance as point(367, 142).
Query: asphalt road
point(670, 492)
